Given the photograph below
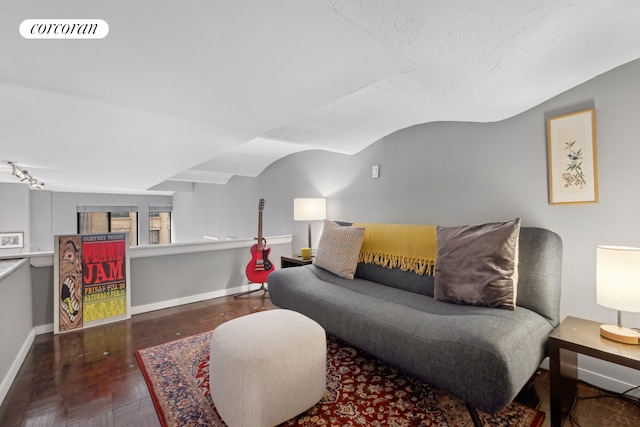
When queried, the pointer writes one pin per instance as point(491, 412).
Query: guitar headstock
point(261, 204)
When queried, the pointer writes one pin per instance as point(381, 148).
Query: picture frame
point(572, 160)
point(91, 280)
point(11, 240)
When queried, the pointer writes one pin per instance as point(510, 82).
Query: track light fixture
point(23, 175)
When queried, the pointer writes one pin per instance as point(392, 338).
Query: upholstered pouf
point(267, 367)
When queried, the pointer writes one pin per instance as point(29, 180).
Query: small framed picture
point(573, 172)
point(11, 240)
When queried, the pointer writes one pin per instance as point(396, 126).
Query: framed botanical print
point(573, 172)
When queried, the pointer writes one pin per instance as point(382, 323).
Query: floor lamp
point(309, 210)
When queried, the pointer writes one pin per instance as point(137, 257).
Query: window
point(107, 219)
point(159, 224)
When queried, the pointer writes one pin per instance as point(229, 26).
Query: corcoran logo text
point(64, 29)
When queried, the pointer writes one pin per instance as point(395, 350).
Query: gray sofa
point(484, 356)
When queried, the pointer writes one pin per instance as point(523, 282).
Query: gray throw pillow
point(478, 264)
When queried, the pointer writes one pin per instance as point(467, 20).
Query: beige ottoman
point(267, 367)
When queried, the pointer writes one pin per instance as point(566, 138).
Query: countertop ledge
point(8, 266)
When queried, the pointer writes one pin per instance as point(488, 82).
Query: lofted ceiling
point(201, 91)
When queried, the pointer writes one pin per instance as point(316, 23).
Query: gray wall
point(172, 277)
point(459, 173)
point(42, 295)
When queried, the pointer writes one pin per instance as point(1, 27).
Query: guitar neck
point(260, 241)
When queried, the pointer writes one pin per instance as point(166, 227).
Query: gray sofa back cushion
point(539, 273)
point(395, 277)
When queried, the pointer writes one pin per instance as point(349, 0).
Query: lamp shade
point(309, 209)
point(618, 277)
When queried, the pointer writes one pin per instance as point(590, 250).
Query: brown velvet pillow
point(478, 264)
point(339, 249)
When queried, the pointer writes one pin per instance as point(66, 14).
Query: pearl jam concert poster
point(91, 280)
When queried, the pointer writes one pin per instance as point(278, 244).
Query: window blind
point(105, 208)
point(161, 208)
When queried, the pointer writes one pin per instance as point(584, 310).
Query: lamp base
point(620, 334)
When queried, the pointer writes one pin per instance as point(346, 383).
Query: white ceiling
point(201, 91)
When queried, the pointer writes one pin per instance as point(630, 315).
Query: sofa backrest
point(539, 274)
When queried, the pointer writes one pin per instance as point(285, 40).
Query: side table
point(294, 261)
point(571, 337)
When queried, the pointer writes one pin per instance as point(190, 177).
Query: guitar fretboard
point(260, 246)
point(260, 242)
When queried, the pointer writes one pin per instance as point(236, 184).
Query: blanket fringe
point(419, 266)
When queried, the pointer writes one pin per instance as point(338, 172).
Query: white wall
point(14, 213)
point(185, 206)
point(40, 221)
point(459, 173)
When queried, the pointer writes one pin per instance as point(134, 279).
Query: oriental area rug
point(361, 391)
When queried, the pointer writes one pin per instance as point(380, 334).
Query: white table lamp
point(618, 287)
point(309, 210)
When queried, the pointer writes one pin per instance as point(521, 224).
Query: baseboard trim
point(139, 309)
point(15, 366)
point(601, 381)
point(604, 382)
point(43, 329)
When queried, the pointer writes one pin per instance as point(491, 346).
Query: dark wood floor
point(91, 378)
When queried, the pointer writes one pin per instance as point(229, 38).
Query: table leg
point(563, 367)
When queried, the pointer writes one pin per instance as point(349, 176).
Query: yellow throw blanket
point(410, 247)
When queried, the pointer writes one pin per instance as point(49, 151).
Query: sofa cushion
point(478, 264)
point(339, 249)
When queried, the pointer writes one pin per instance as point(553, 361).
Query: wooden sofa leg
point(474, 415)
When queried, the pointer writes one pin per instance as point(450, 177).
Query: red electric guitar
point(259, 267)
